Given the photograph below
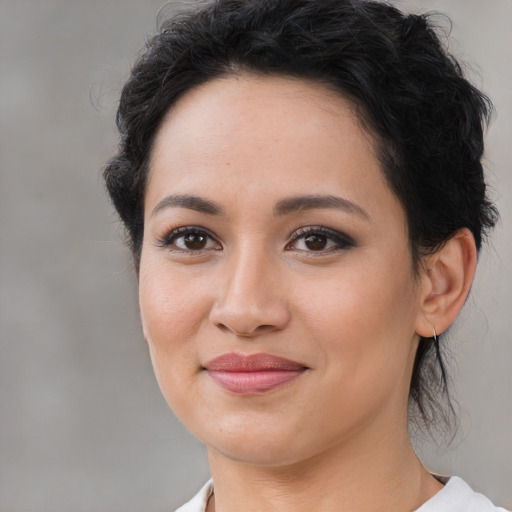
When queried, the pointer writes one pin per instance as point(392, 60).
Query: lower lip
point(251, 383)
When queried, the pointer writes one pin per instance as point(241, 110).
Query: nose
point(250, 299)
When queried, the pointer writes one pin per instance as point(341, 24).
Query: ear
point(445, 283)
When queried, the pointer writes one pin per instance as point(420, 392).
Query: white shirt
point(455, 496)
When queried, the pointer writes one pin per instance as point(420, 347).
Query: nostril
point(245, 333)
point(245, 315)
point(223, 327)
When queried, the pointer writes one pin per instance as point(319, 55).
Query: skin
point(336, 437)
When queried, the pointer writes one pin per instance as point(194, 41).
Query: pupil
point(316, 242)
point(195, 241)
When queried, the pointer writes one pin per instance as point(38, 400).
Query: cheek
point(359, 303)
point(171, 305)
point(172, 311)
point(364, 323)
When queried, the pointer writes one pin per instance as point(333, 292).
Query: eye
point(319, 239)
point(190, 239)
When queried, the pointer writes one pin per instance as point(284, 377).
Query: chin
point(259, 453)
point(258, 444)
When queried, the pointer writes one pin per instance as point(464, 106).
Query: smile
point(252, 374)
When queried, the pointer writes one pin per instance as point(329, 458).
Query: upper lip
point(234, 362)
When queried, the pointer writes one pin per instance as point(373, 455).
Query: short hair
point(410, 94)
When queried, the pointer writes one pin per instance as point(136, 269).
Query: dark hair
point(427, 120)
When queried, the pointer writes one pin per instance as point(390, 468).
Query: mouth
point(252, 374)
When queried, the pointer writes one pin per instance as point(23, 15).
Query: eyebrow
point(187, 201)
point(283, 207)
point(313, 202)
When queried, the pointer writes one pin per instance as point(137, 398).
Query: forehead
point(242, 104)
point(251, 133)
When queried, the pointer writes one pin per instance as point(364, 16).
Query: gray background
point(83, 426)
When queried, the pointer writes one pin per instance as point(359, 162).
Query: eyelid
point(341, 239)
point(172, 235)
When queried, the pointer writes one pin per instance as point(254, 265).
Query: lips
point(252, 374)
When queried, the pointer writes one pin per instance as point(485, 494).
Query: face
point(277, 293)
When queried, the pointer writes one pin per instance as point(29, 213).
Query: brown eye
point(319, 239)
point(195, 241)
point(190, 239)
point(315, 242)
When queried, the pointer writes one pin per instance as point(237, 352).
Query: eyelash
point(170, 239)
point(341, 241)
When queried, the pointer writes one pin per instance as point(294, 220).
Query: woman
point(302, 188)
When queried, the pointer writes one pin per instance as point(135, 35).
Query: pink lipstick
point(252, 374)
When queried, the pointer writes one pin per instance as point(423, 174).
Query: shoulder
point(199, 501)
point(457, 496)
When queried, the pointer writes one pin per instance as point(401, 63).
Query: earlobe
point(446, 283)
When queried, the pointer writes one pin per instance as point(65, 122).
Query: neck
point(385, 476)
